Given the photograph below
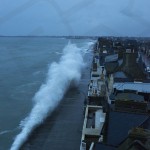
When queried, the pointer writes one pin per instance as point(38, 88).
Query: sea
point(43, 88)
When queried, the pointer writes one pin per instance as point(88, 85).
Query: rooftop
point(129, 96)
point(137, 86)
point(100, 146)
point(93, 121)
point(120, 74)
point(146, 124)
point(120, 123)
point(111, 66)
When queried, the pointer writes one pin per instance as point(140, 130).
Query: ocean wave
point(59, 77)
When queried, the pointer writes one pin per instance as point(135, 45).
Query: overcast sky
point(75, 17)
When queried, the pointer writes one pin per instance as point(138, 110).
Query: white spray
point(59, 78)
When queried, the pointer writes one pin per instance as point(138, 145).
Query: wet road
point(63, 129)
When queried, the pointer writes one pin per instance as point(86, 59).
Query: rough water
point(35, 75)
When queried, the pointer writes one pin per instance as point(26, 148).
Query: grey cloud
point(80, 17)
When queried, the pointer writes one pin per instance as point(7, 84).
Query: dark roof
point(120, 123)
point(129, 96)
point(123, 80)
point(146, 124)
point(120, 74)
point(102, 59)
point(130, 67)
point(100, 146)
point(111, 66)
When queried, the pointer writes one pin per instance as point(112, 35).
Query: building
point(93, 123)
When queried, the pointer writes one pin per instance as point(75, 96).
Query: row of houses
point(118, 103)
